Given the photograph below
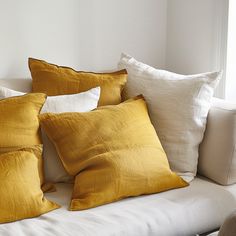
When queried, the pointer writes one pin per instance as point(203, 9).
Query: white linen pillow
point(178, 107)
point(81, 102)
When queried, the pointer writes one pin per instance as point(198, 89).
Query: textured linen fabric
point(82, 102)
point(37, 151)
point(57, 80)
point(113, 151)
point(217, 154)
point(199, 208)
point(19, 125)
point(178, 107)
point(20, 193)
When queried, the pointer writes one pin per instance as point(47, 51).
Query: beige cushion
point(22, 85)
point(217, 159)
point(178, 106)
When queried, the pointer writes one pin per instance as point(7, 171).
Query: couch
point(197, 209)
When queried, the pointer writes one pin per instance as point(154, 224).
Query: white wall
point(196, 31)
point(84, 34)
point(184, 36)
point(230, 90)
point(44, 29)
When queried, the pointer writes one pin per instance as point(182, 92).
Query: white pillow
point(178, 107)
point(81, 102)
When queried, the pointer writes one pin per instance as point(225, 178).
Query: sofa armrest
point(217, 154)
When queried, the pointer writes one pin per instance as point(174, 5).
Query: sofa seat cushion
point(201, 207)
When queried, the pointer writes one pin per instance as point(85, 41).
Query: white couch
point(197, 209)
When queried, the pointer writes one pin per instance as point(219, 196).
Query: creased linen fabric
point(19, 120)
point(113, 151)
point(19, 125)
point(178, 107)
point(20, 193)
point(81, 102)
point(58, 80)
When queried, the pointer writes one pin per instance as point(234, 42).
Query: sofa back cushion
point(217, 155)
point(22, 85)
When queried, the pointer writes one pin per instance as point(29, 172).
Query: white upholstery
point(217, 159)
point(199, 208)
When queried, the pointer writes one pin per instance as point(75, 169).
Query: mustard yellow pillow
point(19, 125)
point(57, 80)
point(20, 193)
point(113, 151)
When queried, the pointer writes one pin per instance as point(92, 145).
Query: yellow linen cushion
point(19, 125)
point(37, 151)
point(20, 193)
point(113, 151)
point(58, 80)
